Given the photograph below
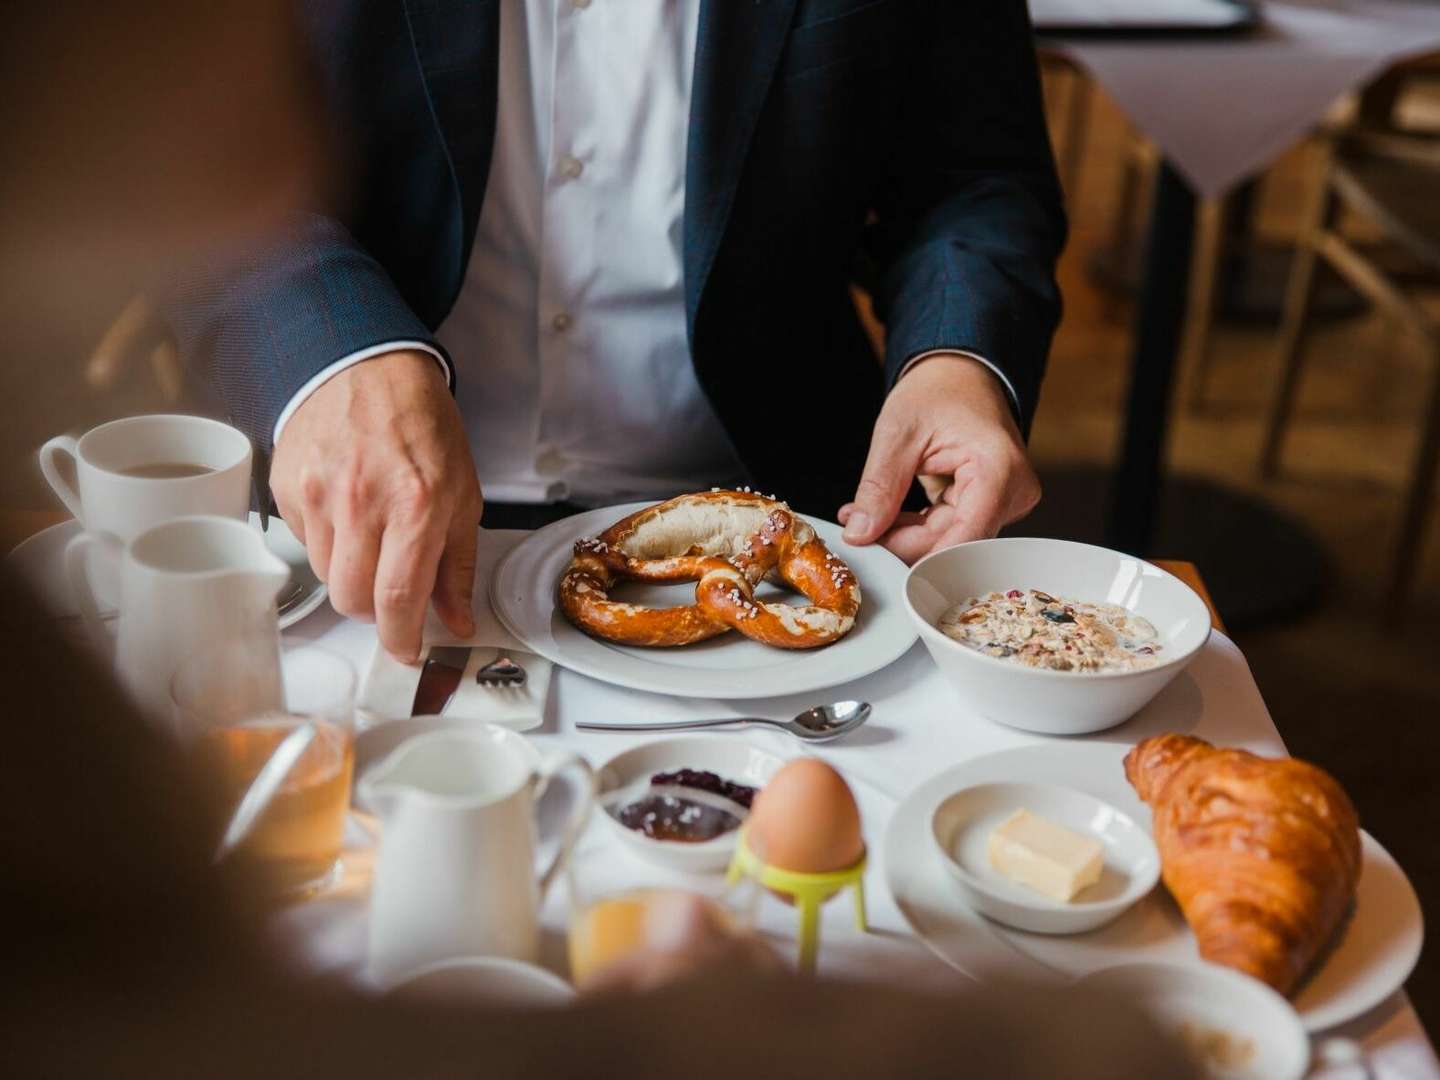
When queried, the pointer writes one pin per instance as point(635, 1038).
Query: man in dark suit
point(621, 234)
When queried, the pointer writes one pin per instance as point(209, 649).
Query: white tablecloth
point(1222, 109)
point(917, 730)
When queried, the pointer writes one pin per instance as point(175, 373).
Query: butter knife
point(439, 679)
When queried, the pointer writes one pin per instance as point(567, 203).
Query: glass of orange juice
point(234, 723)
point(617, 913)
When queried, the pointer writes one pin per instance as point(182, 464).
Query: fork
point(501, 672)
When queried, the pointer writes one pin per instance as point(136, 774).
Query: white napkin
point(390, 685)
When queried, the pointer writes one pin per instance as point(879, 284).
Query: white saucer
point(40, 561)
point(1374, 955)
point(731, 666)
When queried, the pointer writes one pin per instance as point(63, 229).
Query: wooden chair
point(137, 338)
point(1391, 180)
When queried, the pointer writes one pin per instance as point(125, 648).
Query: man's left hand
point(947, 422)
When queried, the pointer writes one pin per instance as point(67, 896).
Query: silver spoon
point(820, 724)
point(266, 786)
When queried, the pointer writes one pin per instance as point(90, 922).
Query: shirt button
point(571, 168)
point(579, 5)
point(561, 322)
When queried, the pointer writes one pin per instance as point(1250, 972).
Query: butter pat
point(1032, 851)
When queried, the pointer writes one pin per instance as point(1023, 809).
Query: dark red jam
point(669, 815)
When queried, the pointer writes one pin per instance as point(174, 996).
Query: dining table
point(916, 731)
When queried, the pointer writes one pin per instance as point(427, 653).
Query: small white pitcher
point(189, 585)
point(456, 872)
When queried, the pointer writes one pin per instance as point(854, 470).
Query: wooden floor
point(1352, 686)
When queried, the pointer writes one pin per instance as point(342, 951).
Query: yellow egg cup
point(808, 891)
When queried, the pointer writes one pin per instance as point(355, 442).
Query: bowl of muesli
point(1054, 636)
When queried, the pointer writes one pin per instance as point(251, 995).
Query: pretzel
point(727, 542)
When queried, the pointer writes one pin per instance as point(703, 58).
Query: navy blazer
point(907, 133)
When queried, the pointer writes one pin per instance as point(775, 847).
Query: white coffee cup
point(106, 498)
point(456, 874)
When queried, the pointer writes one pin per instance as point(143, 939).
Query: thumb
point(889, 469)
point(455, 581)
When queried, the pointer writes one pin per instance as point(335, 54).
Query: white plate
point(1375, 954)
point(484, 980)
point(522, 593)
point(40, 561)
point(963, 822)
point(1216, 999)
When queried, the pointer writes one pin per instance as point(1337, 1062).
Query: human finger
point(889, 469)
point(351, 581)
point(980, 505)
point(455, 580)
point(404, 579)
point(913, 535)
point(319, 541)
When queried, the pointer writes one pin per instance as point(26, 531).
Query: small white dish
point(961, 827)
point(39, 561)
point(1037, 699)
point(484, 980)
point(1253, 1031)
point(628, 773)
point(728, 667)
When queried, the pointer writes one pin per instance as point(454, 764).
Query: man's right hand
point(373, 473)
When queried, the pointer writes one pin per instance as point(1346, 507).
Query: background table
point(1221, 109)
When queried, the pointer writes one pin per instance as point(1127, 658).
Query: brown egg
point(805, 820)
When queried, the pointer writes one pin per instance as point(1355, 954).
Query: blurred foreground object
point(139, 960)
point(133, 137)
point(141, 133)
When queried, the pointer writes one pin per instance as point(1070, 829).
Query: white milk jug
point(456, 874)
point(190, 585)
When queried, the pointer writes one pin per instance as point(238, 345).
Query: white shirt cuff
point(326, 374)
point(1004, 380)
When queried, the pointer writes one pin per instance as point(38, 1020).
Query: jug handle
point(579, 814)
point(77, 560)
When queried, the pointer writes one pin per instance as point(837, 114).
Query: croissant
point(1262, 855)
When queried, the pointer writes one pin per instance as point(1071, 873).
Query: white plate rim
point(51, 534)
point(827, 668)
point(908, 834)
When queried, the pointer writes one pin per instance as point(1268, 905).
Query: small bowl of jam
point(680, 802)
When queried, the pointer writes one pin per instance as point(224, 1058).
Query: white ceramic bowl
point(1036, 699)
point(488, 980)
point(962, 825)
point(1220, 1002)
point(731, 759)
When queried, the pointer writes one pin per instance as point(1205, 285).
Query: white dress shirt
point(569, 334)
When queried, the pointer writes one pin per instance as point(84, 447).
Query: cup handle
point(61, 444)
point(77, 561)
point(579, 813)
